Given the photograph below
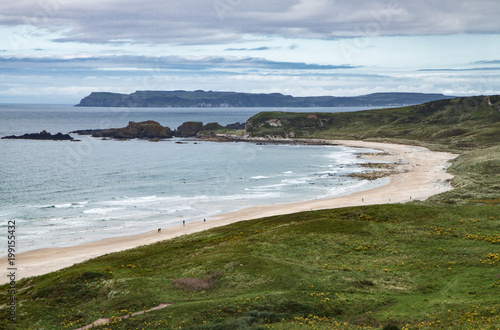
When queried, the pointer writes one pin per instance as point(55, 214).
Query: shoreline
point(421, 175)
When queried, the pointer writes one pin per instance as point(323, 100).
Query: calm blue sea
point(62, 193)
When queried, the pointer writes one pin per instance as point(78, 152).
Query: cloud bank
point(221, 21)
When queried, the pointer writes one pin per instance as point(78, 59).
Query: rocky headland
point(211, 99)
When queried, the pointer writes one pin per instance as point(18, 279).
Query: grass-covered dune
point(408, 265)
point(432, 264)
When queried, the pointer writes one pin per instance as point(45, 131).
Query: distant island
point(210, 99)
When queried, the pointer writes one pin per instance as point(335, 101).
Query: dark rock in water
point(189, 129)
point(144, 130)
point(43, 135)
point(86, 131)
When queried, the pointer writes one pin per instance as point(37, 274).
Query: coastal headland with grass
point(419, 252)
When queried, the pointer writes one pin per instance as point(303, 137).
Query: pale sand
point(422, 174)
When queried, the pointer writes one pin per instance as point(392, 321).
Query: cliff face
point(209, 99)
point(98, 99)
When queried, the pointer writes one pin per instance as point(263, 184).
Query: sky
point(59, 51)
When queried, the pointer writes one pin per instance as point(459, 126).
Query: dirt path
point(104, 320)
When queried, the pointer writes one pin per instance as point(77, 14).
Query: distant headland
point(210, 99)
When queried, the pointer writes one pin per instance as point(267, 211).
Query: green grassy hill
point(352, 268)
point(420, 265)
point(455, 125)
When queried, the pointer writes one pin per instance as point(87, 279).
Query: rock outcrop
point(43, 135)
point(189, 129)
point(144, 130)
point(153, 131)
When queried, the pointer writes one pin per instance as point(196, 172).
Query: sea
point(62, 193)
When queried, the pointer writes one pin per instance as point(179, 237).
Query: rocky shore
point(262, 140)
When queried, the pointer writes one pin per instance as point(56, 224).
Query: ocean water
point(62, 193)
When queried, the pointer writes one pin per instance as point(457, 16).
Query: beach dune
point(421, 174)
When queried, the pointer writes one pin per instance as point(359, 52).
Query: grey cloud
point(461, 70)
point(251, 49)
point(487, 62)
point(221, 21)
point(131, 63)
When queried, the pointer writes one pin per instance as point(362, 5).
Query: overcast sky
point(58, 51)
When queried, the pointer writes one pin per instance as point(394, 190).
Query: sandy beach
point(421, 174)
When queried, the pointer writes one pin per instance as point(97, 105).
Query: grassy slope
point(453, 125)
point(424, 264)
point(366, 266)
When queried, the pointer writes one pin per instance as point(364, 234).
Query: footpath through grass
point(411, 266)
